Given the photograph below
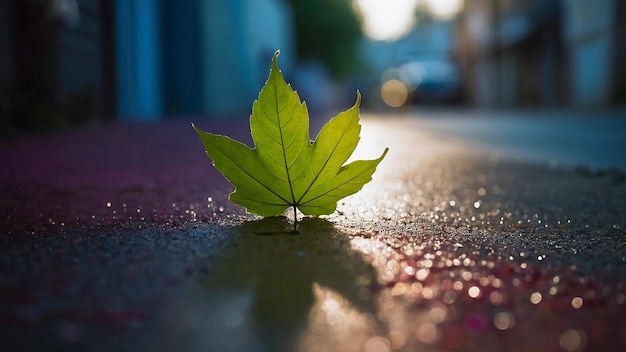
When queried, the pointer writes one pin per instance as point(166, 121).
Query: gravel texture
point(122, 238)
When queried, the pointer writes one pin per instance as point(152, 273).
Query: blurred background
point(71, 62)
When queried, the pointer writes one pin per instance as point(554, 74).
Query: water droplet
point(428, 292)
point(457, 286)
point(416, 287)
point(572, 340)
point(422, 274)
point(427, 333)
point(483, 281)
point(466, 275)
point(535, 298)
point(437, 314)
point(577, 302)
point(496, 298)
point(474, 292)
point(377, 344)
point(504, 321)
point(448, 297)
point(398, 289)
point(397, 339)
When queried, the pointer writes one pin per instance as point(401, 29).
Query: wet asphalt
point(476, 234)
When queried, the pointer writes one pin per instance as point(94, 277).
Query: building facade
point(182, 57)
point(62, 61)
point(543, 52)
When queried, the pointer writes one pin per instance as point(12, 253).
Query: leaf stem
point(295, 219)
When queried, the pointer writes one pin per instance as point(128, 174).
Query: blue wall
point(182, 57)
point(196, 56)
point(139, 80)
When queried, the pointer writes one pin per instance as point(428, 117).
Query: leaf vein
point(323, 166)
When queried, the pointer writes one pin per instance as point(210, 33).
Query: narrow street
point(479, 232)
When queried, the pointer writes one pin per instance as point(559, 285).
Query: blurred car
point(433, 78)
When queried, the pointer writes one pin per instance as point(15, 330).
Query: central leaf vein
point(317, 175)
point(280, 130)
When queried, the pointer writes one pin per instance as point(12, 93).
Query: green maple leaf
point(286, 169)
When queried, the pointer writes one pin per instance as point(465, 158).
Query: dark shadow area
point(276, 270)
point(193, 287)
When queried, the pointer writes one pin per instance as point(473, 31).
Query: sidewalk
point(123, 238)
point(593, 139)
point(155, 172)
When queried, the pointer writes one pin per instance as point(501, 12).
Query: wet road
point(593, 139)
point(461, 242)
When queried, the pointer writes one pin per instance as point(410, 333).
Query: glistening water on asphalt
point(448, 248)
point(555, 138)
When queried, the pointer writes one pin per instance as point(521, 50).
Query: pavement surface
point(566, 138)
point(122, 238)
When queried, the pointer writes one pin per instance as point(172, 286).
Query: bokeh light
point(535, 298)
point(394, 93)
point(572, 340)
point(386, 20)
point(474, 292)
point(577, 302)
point(504, 321)
point(444, 9)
